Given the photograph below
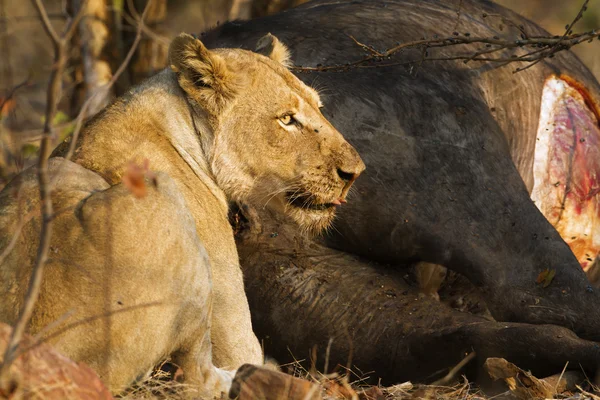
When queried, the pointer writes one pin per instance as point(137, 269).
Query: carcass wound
point(567, 166)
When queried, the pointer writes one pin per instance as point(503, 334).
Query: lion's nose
point(348, 176)
point(351, 165)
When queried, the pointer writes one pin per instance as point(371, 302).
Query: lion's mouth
point(307, 202)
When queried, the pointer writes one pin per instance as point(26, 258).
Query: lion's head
point(269, 143)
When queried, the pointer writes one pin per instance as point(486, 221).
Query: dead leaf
point(545, 277)
point(524, 385)
point(6, 106)
point(339, 390)
point(135, 177)
point(372, 393)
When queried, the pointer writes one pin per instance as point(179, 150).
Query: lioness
point(130, 279)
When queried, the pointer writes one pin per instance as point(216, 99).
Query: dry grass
point(350, 384)
point(160, 385)
point(346, 383)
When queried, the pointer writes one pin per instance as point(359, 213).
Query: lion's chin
point(313, 221)
point(310, 216)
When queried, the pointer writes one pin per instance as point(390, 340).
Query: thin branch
point(135, 18)
point(53, 95)
point(147, 31)
point(367, 48)
point(83, 112)
point(542, 47)
point(45, 337)
point(568, 30)
point(43, 15)
point(136, 41)
point(579, 15)
point(16, 235)
point(448, 378)
point(13, 90)
point(458, 12)
point(560, 378)
point(72, 27)
point(45, 186)
point(520, 28)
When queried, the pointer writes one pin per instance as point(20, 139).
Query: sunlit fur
point(215, 126)
point(254, 157)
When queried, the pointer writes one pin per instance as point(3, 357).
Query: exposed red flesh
point(567, 165)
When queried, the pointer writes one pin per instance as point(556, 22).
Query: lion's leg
point(234, 341)
point(430, 278)
point(196, 361)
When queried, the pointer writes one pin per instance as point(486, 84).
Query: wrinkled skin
point(449, 149)
point(303, 294)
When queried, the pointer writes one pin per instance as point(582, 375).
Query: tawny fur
point(430, 278)
point(271, 47)
point(137, 280)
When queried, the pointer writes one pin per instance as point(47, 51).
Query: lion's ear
point(202, 73)
point(272, 47)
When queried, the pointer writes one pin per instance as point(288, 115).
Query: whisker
point(275, 193)
point(293, 185)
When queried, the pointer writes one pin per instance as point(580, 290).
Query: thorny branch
point(84, 109)
point(60, 45)
point(12, 92)
point(537, 48)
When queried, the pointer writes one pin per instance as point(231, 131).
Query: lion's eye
point(287, 119)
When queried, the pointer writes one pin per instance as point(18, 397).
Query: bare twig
point(84, 109)
point(568, 31)
point(507, 21)
point(13, 241)
point(539, 49)
point(367, 48)
point(458, 12)
point(74, 22)
point(544, 47)
point(43, 338)
point(80, 119)
point(12, 92)
point(327, 353)
point(138, 37)
point(147, 31)
point(582, 9)
point(560, 378)
point(83, 112)
point(135, 19)
point(50, 31)
point(59, 44)
point(448, 378)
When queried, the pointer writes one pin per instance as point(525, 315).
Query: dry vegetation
point(554, 14)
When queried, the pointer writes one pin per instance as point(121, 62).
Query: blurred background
point(102, 41)
point(553, 15)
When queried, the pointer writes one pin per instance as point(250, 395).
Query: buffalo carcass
point(453, 154)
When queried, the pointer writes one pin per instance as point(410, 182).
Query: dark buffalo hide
point(449, 148)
